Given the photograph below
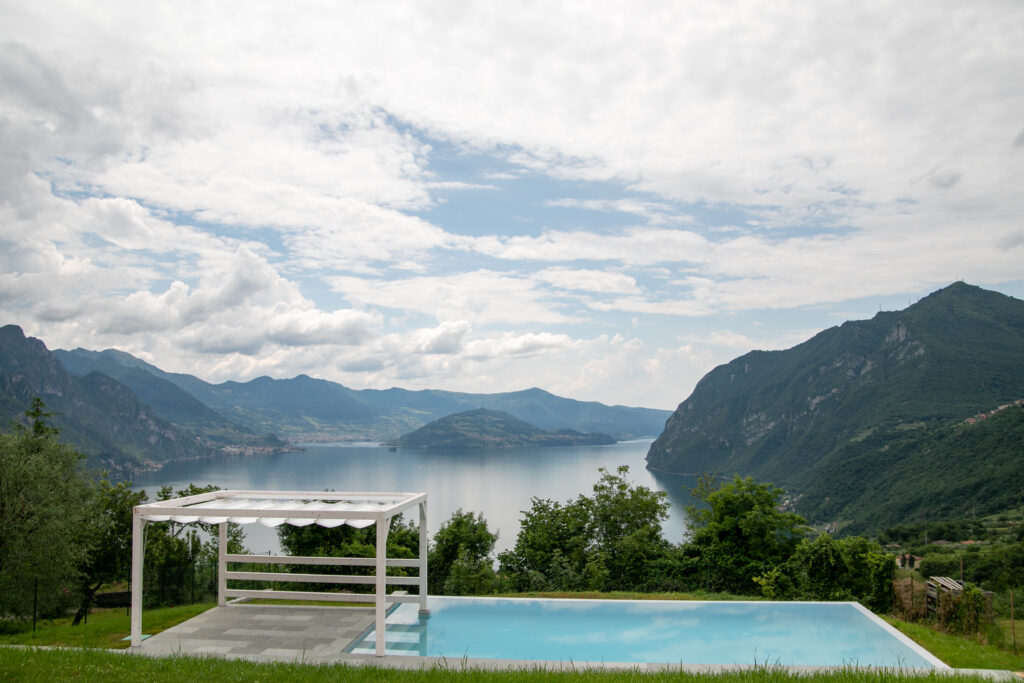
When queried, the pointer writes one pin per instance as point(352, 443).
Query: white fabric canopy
point(273, 509)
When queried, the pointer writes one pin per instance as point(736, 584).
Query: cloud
point(941, 179)
point(512, 345)
point(724, 338)
point(243, 194)
point(656, 213)
point(478, 297)
point(637, 246)
point(598, 281)
point(446, 338)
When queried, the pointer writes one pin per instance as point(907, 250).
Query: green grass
point(29, 664)
point(957, 651)
point(105, 629)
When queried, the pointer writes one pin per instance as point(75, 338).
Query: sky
point(602, 199)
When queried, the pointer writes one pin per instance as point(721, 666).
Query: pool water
point(687, 632)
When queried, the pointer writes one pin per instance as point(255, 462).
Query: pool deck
point(319, 635)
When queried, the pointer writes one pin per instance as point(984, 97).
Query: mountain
point(535, 406)
point(484, 428)
point(304, 408)
point(784, 416)
point(166, 398)
point(99, 415)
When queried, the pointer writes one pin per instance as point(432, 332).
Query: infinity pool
point(711, 633)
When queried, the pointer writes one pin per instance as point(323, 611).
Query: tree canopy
point(739, 532)
point(43, 515)
point(460, 557)
point(610, 540)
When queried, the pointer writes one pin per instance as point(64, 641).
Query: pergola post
point(383, 523)
point(138, 555)
point(424, 547)
point(222, 564)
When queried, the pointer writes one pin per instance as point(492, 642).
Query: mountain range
point(306, 409)
point(840, 418)
point(127, 414)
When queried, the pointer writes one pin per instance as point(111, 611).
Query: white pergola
point(298, 508)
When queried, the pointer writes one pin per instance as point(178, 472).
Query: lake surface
point(497, 483)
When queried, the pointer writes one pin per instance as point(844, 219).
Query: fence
point(167, 585)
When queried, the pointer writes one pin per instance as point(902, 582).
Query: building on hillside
point(908, 561)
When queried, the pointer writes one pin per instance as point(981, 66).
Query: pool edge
point(902, 637)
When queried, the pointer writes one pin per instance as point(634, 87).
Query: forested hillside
point(962, 469)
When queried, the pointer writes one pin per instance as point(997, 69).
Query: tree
point(460, 561)
point(626, 526)
point(347, 541)
point(43, 516)
point(740, 532)
point(194, 533)
point(611, 540)
point(174, 550)
point(108, 540)
point(551, 548)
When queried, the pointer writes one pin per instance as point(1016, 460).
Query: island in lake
point(484, 428)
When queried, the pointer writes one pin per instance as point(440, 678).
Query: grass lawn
point(20, 664)
point(105, 629)
point(960, 652)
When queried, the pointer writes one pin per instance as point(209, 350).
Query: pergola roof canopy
point(273, 508)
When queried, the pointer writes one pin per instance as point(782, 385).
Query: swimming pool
point(668, 631)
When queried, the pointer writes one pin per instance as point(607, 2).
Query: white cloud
point(512, 345)
point(599, 281)
point(725, 338)
point(656, 213)
point(186, 184)
point(446, 338)
point(479, 297)
point(638, 246)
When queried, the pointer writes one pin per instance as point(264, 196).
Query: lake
point(497, 483)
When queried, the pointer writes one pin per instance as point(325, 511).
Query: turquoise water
point(712, 633)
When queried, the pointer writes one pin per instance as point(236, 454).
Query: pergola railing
point(349, 579)
point(299, 508)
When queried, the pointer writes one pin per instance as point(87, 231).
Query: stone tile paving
point(271, 632)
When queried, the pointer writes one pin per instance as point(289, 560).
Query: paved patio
point(264, 632)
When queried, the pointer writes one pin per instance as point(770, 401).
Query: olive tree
point(43, 515)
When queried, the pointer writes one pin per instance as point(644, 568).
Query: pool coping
point(900, 636)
